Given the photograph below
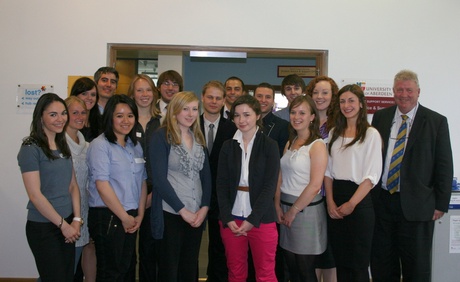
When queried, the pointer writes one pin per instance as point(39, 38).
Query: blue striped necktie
point(396, 157)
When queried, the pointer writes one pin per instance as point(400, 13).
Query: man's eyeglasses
point(170, 83)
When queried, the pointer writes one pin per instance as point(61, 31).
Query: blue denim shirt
point(123, 167)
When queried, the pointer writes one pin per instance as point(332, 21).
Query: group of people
point(308, 193)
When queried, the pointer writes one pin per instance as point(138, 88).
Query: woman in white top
point(354, 168)
point(298, 201)
point(78, 113)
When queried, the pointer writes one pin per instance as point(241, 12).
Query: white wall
point(45, 41)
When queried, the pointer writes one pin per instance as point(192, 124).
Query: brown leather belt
point(243, 188)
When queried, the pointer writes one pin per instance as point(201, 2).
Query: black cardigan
point(264, 167)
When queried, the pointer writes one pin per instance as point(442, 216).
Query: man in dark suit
point(277, 129)
point(106, 79)
point(212, 97)
point(234, 88)
point(292, 86)
point(405, 214)
point(274, 127)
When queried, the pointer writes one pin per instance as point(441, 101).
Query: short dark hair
point(292, 79)
point(236, 78)
point(104, 70)
point(107, 118)
point(172, 75)
point(252, 102)
point(266, 85)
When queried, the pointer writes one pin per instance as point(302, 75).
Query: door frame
point(321, 56)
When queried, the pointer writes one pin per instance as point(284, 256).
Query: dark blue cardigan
point(158, 156)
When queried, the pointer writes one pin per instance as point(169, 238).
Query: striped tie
point(396, 157)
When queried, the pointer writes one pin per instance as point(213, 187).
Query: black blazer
point(427, 165)
point(277, 129)
point(225, 131)
point(264, 167)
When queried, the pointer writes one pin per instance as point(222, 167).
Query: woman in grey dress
point(298, 201)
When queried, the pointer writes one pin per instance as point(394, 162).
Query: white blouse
point(242, 205)
point(295, 169)
point(359, 162)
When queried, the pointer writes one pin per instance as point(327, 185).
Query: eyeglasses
point(168, 83)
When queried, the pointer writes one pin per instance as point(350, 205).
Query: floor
point(203, 258)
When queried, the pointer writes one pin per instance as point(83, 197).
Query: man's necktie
point(164, 111)
point(396, 157)
point(210, 137)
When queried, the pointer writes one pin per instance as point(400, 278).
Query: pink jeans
point(262, 241)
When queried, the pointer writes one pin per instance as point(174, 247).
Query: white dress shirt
point(397, 120)
point(206, 127)
point(242, 205)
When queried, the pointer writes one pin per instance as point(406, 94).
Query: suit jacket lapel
point(219, 132)
point(387, 120)
point(417, 125)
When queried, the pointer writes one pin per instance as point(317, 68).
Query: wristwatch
point(79, 219)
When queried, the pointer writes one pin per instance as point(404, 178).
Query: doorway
point(259, 64)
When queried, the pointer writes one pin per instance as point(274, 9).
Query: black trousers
point(148, 251)
point(217, 262)
point(54, 258)
point(351, 237)
point(115, 249)
point(400, 247)
point(179, 250)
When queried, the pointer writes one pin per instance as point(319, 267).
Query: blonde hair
point(213, 83)
point(406, 75)
point(154, 111)
point(74, 99)
point(176, 105)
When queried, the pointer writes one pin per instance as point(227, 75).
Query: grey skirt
point(308, 232)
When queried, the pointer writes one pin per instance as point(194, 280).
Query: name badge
point(138, 134)
point(139, 160)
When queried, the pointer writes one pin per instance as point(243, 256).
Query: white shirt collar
point(207, 122)
point(410, 114)
point(239, 136)
point(226, 110)
point(163, 106)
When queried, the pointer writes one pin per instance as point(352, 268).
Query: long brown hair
point(314, 125)
point(341, 122)
point(334, 100)
point(37, 133)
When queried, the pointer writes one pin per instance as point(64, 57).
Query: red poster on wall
point(379, 93)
